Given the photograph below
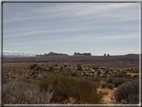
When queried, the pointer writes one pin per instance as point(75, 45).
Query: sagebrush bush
point(98, 79)
point(109, 80)
point(128, 93)
point(118, 81)
point(63, 86)
point(21, 92)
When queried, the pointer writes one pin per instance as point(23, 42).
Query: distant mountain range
point(16, 54)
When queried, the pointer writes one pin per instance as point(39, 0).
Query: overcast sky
point(96, 28)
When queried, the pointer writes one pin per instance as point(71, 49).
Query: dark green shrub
point(56, 65)
point(75, 74)
point(51, 68)
point(61, 67)
point(107, 71)
point(95, 68)
point(38, 68)
point(33, 66)
point(128, 93)
point(79, 68)
point(65, 65)
point(104, 76)
point(78, 65)
point(99, 72)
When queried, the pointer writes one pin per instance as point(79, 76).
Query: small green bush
point(33, 66)
point(104, 76)
point(56, 65)
point(38, 68)
point(79, 68)
point(65, 65)
point(51, 68)
point(99, 72)
point(75, 74)
point(78, 65)
point(61, 67)
point(107, 71)
point(95, 68)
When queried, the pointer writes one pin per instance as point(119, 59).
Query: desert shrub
point(61, 67)
point(107, 71)
point(78, 65)
point(95, 68)
point(56, 65)
point(74, 74)
point(99, 72)
point(4, 81)
point(33, 66)
point(63, 86)
point(107, 85)
point(118, 81)
point(118, 75)
point(79, 68)
point(85, 92)
point(65, 65)
point(98, 79)
point(104, 76)
point(109, 80)
point(51, 68)
point(21, 92)
point(38, 68)
point(128, 93)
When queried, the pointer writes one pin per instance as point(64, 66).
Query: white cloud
point(78, 11)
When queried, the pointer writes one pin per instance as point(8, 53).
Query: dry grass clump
point(21, 92)
point(107, 85)
point(74, 73)
point(128, 93)
point(63, 86)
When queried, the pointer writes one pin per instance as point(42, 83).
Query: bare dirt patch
point(107, 98)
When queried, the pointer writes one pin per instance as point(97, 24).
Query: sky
point(96, 28)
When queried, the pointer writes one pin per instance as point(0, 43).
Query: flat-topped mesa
point(53, 54)
point(82, 54)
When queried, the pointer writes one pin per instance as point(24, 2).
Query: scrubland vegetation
point(67, 84)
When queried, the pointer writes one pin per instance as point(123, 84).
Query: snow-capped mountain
point(16, 54)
